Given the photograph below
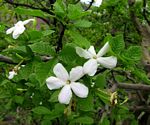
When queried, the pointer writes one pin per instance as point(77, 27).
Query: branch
point(29, 6)
point(144, 12)
point(8, 60)
point(140, 108)
point(133, 86)
point(61, 34)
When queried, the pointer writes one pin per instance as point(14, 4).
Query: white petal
point(83, 53)
point(103, 50)
point(91, 50)
point(65, 95)
point(18, 30)
point(54, 83)
point(108, 62)
point(27, 21)
point(76, 73)
point(79, 89)
point(97, 3)
point(86, 1)
point(61, 72)
point(12, 74)
point(90, 67)
point(10, 30)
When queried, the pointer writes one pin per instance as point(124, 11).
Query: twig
point(29, 6)
point(133, 86)
point(61, 34)
point(10, 61)
point(6, 59)
point(140, 108)
point(144, 12)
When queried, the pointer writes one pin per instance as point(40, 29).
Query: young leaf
point(31, 12)
point(83, 23)
point(78, 39)
point(117, 43)
point(43, 69)
point(86, 104)
point(82, 120)
point(42, 48)
point(41, 110)
point(133, 53)
point(101, 81)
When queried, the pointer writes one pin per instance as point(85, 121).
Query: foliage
point(60, 27)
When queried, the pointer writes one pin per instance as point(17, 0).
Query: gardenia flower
point(90, 67)
point(96, 3)
point(18, 28)
point(67, 81)
point(12, 74)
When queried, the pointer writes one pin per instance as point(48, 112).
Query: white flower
point(18, 28)
point(90, 67)
point(67, 81)
point(96, 3)
point(12, 74)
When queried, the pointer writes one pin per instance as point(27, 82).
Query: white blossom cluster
point(68, 81)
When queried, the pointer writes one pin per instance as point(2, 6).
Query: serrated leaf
point(42, 48)
point(47, 32)
point(78, 39)
point(133, 53)
point(18, 99)
point(31, 12)
point(43, 69)
point(59, 8)
point(82, 120)
point(25, 72)
point(68, 53)
point(100, 81)
point(54, 97)
point(34, 35)
point(83, 23)
point(41, 110)
point(117, 43)
point(75, 12)
point(86, 104)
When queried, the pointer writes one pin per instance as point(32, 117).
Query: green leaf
point(82, 120)
point(100, 81)
point(42, 48)
point(18, 99)
point(86, 104)
point(43, 69)
point(117, 43)
point(25, 72)
point(47, 32)
point(30, 12)
point(104, 96)
point(105, 121)
point(54, 97)
point(75, 12)
point(68, 53)
point(46, 122)
point(59, 8)
point(41, 110)
point(34, 35)
point(78, 39)
point(133, 53)
point(83, 23)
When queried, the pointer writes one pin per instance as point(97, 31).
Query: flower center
point(68, 82)
point(95, 57)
